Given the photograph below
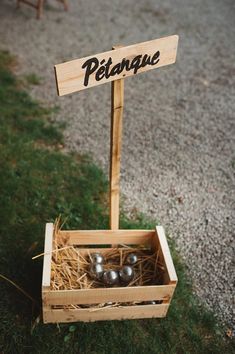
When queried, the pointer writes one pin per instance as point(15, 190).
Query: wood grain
point(70, 75)
point(46, 275)
point(102, 295)
point(115, 313)
point(102, 237)
point(117, 102)
point(46, 272)
point(162, 244)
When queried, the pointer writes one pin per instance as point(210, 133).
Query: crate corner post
point(170, 277)
point(46, 272)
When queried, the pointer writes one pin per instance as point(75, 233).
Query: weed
point(32, 79)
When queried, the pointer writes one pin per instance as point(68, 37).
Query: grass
point(37, 183)
point(32, 79)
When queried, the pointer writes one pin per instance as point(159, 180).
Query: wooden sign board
point(80, 74)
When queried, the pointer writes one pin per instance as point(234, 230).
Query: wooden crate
point(154, 239)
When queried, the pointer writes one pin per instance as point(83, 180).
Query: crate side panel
point(115, 313)
point(102, 295)
point(101, 237)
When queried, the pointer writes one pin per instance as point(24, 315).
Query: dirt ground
point(178, 158)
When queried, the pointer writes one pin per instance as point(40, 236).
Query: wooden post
point(117, 101)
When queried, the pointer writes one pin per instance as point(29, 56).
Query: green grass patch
point(32, 79)
point(37, 183)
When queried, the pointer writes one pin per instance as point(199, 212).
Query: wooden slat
point(84, 251)
point(162, 242)
point(102, 237)
point(120, 313)
point(102, 295)
point(46, 275)
point(115, 150)
point(71, 75)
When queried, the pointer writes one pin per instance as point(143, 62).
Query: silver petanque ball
point(96, 270)
point(110, 277)
point(97, 258)
point(148, 303)
point(126, 274)
point(131, 258)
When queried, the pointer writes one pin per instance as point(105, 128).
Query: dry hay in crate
point(70, 268)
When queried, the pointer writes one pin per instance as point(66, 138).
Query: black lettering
point(146, 60)
point(155, 59)
point(135, 64)
point(107, 66)
point(100, 73)
point(116, 70)
point(91, 65)
point(104, 70)
point(125, 64)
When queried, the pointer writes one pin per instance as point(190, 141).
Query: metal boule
point(110, 277)
point(96, 270)
point(97, 258)
point(131, 258)
point(126, 274)
point(152, 302)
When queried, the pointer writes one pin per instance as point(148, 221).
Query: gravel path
point(178, 146)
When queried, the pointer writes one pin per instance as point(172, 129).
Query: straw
point(19, 288)
point(70, 267)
